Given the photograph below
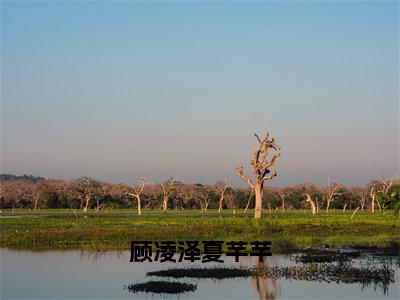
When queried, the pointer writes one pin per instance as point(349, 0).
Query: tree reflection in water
point(267, 288)
point(98, 256)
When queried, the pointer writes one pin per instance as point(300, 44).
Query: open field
point(113, 230)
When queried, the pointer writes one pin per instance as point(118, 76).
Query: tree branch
point(241, 174)
point(270, 176)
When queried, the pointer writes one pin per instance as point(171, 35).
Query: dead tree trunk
point(317, 204)
point(98, 205)
point(139, 205)
point(137, 192)
point(87, 199)
point(313, 207)
point(206, 201)
point(248, 202)
point(258, 189)
point(282, 196)
point(261, 167)
point(222, 188)
point(372, 193)
point(330, 193)
point(36, 202)
point(379, 204)
point(354, 212)
point(168, 187)
point(363, 197)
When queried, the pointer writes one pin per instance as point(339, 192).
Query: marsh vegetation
point(114, 230)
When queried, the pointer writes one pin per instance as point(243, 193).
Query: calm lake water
point(77, 275)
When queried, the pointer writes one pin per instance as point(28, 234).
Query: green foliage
point(48, 199)
point(391, 201)
point(345, 196)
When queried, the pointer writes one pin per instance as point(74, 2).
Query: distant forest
point(10, 177)
point(85, 193)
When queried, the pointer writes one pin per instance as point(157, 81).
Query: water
point(77, 275)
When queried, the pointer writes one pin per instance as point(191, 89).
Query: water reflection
point(267, 288)
point(103, 256)
point(83, 275)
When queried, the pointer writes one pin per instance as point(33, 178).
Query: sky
point(120, 89)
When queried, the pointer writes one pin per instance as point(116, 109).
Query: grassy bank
point(113, 230)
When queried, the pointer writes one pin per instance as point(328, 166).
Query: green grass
point(113, 230)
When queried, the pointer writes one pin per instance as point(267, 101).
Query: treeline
point(10, 177)
point(87, 193)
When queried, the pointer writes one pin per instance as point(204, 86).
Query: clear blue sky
point(116, 90)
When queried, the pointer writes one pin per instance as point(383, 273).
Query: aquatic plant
point(325, 255)
point(209, 273)
point(340, 273)
point(161, 287)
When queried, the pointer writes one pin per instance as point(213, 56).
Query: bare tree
point(283, 192)
point(261, 169)
point(379, 186)
point(202, 195)
point(231, 202)
point(387, 184)
point(99, 203)
point(362, 194)
point(186, 197)
point(221, 186)
point(168, 187)
point(137, 192)
point(86, 189)
point(331, 192)
point(42, 188)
